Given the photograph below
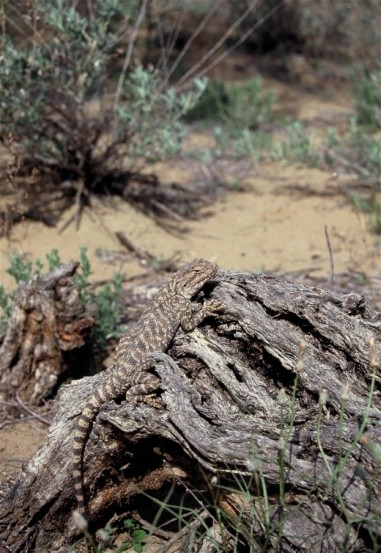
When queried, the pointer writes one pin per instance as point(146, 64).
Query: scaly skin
point(171, 308)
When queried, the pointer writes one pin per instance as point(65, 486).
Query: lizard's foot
point(143, 390)
point(153, 401)
point(149, 399)
point(213, 306)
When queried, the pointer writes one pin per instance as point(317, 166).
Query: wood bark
point(48, 320)
point(284, 468)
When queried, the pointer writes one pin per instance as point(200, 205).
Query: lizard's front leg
point(194, 318)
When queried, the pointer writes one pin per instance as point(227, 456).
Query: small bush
point(104, 301)
point(238, 111)
point(359, 153)
point(209, 104)
point(248, 105)
point(367, 96)
point(371, 206)
point(241, 143)
point(298, 147)
point(238, 105)
point(51, 88)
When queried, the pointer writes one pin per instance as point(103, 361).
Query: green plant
point(21, 269)
point(83, 275)
point(248, 105)
point(55, 99)
point(53, 259)
point(137, 537)
point(367, 96)
point(364, 152)
point(241, 144)
point(208, 104)
point(359, 153)
point(104, 538)
point(104, 301)
point(370, 205)
point(5, 309)
point(237, 105)
point(298, 147)
point(238, 110)
point(108, 310)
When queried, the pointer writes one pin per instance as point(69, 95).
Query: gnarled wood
point(225, 425)
point(48, 319)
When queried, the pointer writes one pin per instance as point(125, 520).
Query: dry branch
point(221, 417)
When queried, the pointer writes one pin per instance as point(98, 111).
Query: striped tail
point(81, 433)
point(110, 389)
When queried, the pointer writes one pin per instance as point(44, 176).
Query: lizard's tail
point(81, 433)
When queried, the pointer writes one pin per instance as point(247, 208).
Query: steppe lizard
point(170, 309)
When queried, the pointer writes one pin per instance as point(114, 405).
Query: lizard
point(153, 333)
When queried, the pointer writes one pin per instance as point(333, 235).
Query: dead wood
point(47, 321)
point(169, 204)
point(224, 427)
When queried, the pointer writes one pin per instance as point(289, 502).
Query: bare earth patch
point(19, 441)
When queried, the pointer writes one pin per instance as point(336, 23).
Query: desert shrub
point(237, 105)
point(364, 153)
point(56, 99)
point(359, 153)
point(248, 105)
point(367, 96)
point(237, 112)
point(208, 105)
point(298, 147)
point(103, 300)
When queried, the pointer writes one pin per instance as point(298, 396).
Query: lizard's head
point(191, 278)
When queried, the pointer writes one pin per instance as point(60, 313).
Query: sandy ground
point(278, 224)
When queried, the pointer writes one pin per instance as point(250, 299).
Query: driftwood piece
point(47, 320)
point(229, 424)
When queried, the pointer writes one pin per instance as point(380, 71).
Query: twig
point(133, 246)
point(187, 45)
point(6, 423)
point(18, 421)
point(167, 49)
point(130, 48)
point(330, 255)
point(154, 530)
point(194, 524)
point(196, 68)
point(30, 412)
point(14, 460)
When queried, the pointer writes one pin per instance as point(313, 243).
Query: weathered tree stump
point(48, 319)
point(281, 466)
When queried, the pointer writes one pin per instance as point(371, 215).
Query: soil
point(280, 223)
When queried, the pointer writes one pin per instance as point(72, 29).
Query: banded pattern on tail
point(84, 424)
